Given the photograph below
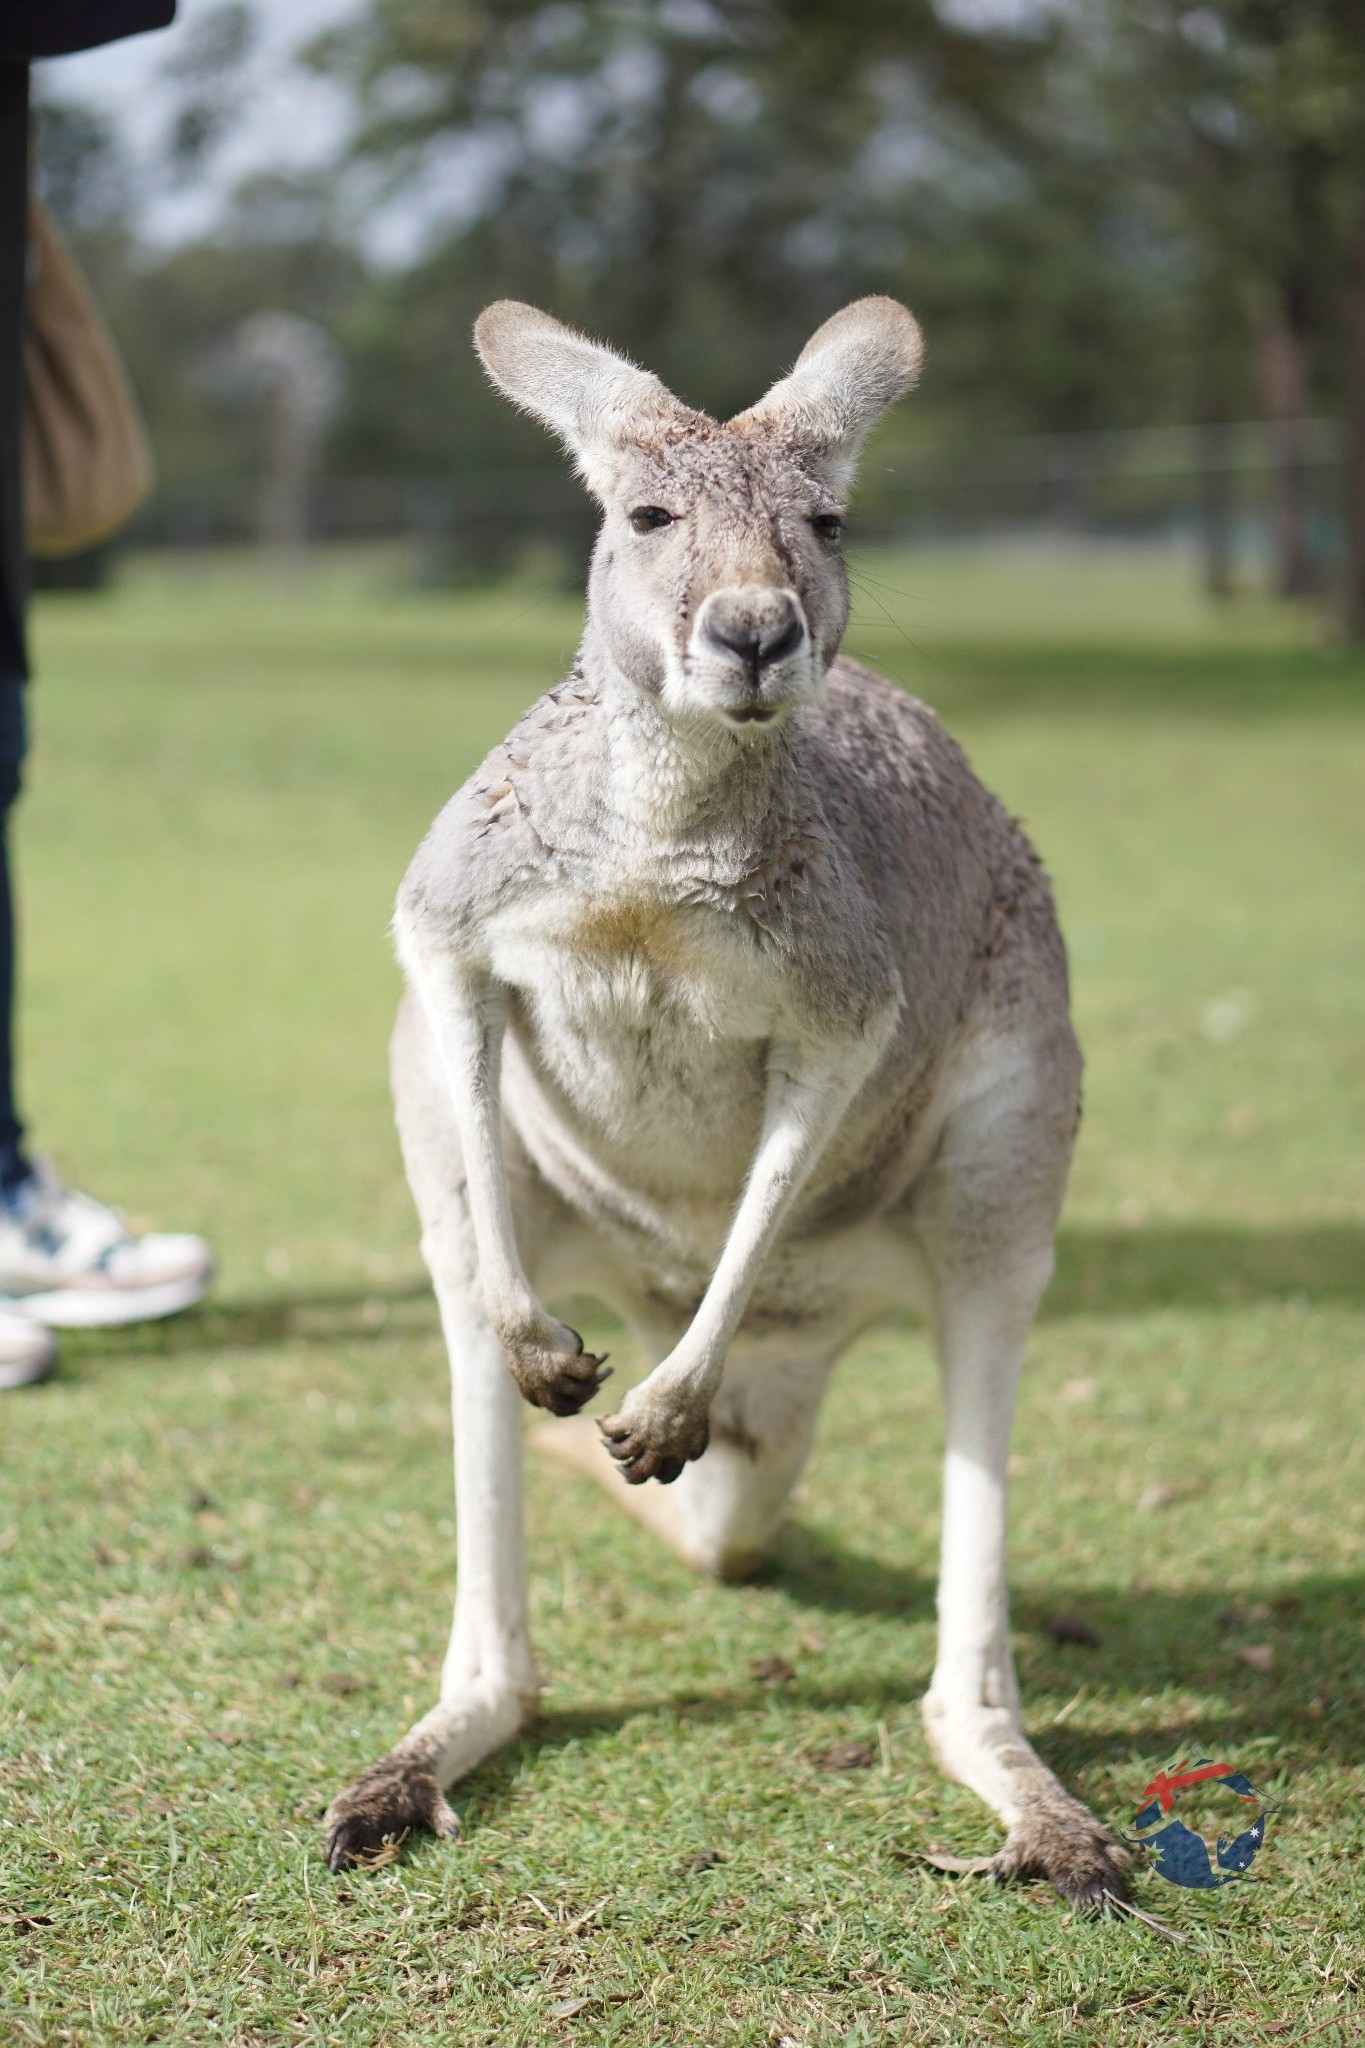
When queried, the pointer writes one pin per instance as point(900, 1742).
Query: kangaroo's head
point(717, 580)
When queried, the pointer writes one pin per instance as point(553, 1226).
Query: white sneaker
point(28, 1352)
point(68, 1261)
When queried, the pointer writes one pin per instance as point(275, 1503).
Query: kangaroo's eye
point(828, 525)
point(645, 518)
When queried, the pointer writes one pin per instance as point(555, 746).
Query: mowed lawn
point(226, 1544)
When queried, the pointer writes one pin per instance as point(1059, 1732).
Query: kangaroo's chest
point(645, 1025)
point(614, 967)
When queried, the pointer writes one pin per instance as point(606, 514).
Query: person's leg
point(15, 1167)
point(14, 149)
point(64, 1258)
point(14, 146)
point(27, 1353)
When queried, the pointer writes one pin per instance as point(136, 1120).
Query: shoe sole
point(32, 1374)
point(107, 1308)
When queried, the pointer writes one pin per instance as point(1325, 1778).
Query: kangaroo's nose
point(759, 634)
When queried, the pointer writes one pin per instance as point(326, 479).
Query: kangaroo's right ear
point(596, 401)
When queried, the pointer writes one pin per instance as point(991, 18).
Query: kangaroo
point(734, 1000)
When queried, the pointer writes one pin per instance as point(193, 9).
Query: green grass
point(227, 786)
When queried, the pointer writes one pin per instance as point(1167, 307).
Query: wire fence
point(1222, 488)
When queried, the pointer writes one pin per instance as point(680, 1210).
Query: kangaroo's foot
point(1051, 1834)
point(387, 1802)
point(402, 1793)
point(1057, 1838)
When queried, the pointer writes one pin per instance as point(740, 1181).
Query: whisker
point(891, 620)
point(910, 596)
point(542, 592)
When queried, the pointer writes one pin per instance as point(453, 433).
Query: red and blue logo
point(1176, 1852)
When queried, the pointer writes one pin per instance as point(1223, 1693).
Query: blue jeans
point(14, 1167)
point(13, 565)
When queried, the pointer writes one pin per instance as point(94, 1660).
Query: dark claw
point(1059, 1840)
point(574, 1385)
point(638, 1459)
point(353, 1842)
point(586, 1375)
point(585, 1361)
point(383, 1807)
point(560, 1404)
point(1092, 1891)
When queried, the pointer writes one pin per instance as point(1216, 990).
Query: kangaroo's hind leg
point(488, 1681)
point(984, 1219)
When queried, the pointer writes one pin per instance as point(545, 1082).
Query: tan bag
point(87, 466)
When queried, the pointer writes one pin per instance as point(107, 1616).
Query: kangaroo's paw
point(554, 1371)
point(1057, 1838)
point(651, 1440)
point(388, 1801)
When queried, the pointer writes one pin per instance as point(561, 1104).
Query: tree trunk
point(1220, 341)
point(1284, 384)
point(1215, 508)
point(283, 503)
point(663, 197)
point(1353, 593)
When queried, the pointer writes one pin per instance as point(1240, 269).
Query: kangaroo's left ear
point(855, 366)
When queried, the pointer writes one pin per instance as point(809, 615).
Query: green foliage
point(226, 1543)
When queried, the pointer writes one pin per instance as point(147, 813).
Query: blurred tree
point(83, 174)
point(205, 68)
point(290, 367)
point(1244, 120)
point(175, 314)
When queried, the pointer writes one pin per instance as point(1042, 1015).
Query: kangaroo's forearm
point(797, 1128)
point(467, 1021)
point(807, 1097)
point(467, 1016)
